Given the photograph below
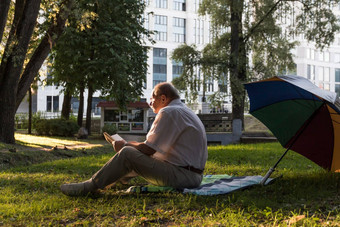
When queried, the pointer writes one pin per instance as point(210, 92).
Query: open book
point(112, 138)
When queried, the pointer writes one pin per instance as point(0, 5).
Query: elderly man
point(174, 153)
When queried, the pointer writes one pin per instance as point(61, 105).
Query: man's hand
point(117, 145)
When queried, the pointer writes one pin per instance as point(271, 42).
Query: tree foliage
point(251, 40)
point(189, 57)
point(102, 49)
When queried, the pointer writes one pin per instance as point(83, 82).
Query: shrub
point(110, 129)
point(56, 127)
point(37, 117)
point(21, 121)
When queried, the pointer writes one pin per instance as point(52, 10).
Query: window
point(162, 4)
point(337, 75)
point(337, 81)
point(123, 116)
point(179, 5)
point(179, 22)
point(161, 20)
point(55, 103)
point(310, 53)
point(209, 85)
point(159, 68)
point(198, 31)
point(223, 84)
point(111, 115)
point(177, 69)
point(159, 65)
point(49, 104)
point(337, 89)
point(161, 27)
point(324, 56)
point(159, 52)
point(161, 36)
point(136, 115)
point(74, 105)
point(52, 103)
point(178, 30)
point(311, 72)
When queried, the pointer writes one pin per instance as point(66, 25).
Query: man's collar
point(175, 102)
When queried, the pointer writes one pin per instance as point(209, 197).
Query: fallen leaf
point(295, 219)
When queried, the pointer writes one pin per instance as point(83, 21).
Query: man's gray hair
point(166, 89)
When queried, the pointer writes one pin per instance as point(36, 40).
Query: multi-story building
point(322, 67)
point(176, 22)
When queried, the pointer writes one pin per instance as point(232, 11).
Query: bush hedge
point(56, 127)
point(110, 128)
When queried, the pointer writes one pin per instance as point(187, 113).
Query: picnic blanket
point(211, 185)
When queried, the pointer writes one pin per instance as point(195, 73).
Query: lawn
point(303, 195)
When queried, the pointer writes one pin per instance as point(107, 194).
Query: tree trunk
point(14, 54)
point(89, 109)
point(81, 106)
point(66, 109)
point(238, 60)
point(4, 7)
point(26, 13)
point(7, 111)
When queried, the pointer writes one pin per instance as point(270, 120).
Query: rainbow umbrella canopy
point(303, 117)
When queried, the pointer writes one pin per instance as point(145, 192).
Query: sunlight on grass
point(38, 141)
point(305, 195)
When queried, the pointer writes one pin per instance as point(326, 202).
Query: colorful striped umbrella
point(303, 117)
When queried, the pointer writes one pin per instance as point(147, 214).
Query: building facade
point(322, 67)
point(176, 22)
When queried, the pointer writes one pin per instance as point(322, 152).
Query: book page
point(116, 137)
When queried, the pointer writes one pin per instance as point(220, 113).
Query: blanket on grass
point(211, 185)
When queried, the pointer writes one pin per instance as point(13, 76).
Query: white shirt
point(178, 136)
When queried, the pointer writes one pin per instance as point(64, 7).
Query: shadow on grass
point(304, 187)
point(23, 159)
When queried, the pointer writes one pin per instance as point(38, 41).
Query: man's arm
point(142, 147)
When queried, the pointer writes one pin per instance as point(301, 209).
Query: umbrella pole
point(272, 169)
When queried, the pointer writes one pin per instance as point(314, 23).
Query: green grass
point(305, 195)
